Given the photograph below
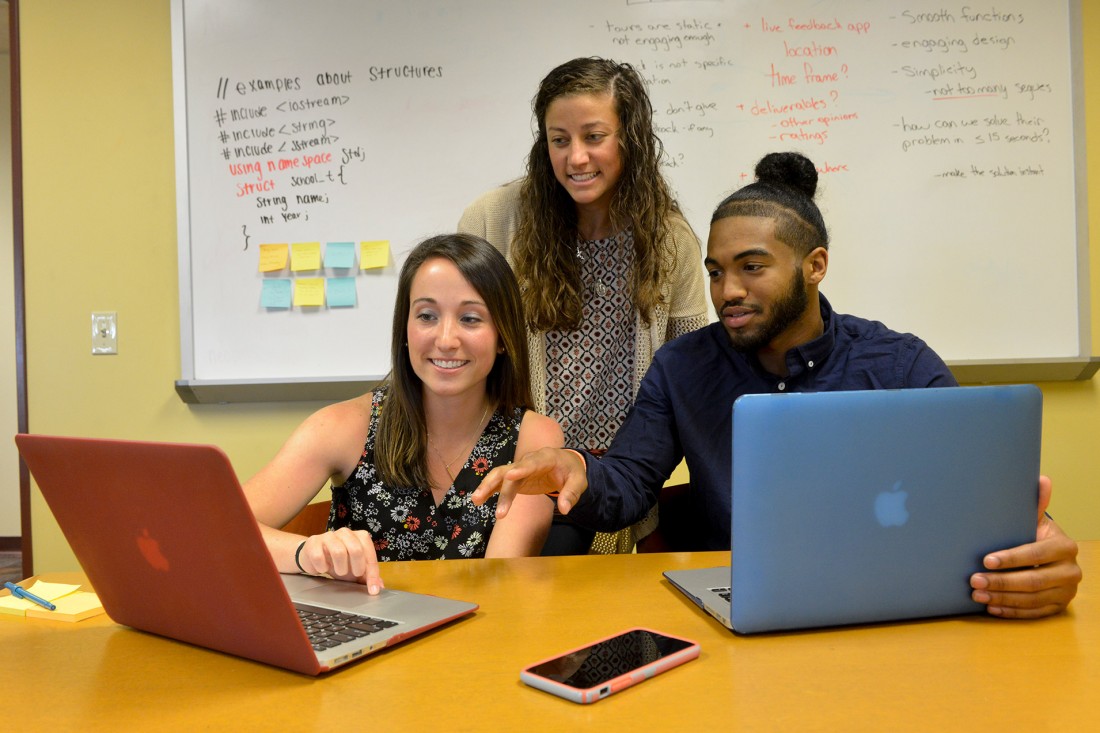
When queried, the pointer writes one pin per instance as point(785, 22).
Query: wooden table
point(972, 673)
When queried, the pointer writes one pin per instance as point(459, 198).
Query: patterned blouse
point(590, 370)
point(406, 523)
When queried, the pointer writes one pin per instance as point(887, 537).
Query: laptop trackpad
point(329, 592)
point(350, 596)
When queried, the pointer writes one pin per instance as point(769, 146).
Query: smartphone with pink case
point(594, 671)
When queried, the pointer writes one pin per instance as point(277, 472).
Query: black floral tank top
point(406, 523)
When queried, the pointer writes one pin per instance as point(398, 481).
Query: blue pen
point(22, 592)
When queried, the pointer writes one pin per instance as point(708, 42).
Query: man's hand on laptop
point(1032, 580)
point(344, 554)
point(546, 471)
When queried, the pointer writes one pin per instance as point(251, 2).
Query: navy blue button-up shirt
point(684, 410)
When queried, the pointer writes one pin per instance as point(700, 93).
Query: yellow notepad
point(71, 604)
point(49, 591)
point(73, 607)
point(14, 606)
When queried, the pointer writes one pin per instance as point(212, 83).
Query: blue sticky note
point(340, 292)
point(276, 293)
point(340, 255)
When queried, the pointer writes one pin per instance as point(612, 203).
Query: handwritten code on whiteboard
point(945, 136)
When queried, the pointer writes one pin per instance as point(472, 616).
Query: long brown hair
point(401, 440)
point(544, 246)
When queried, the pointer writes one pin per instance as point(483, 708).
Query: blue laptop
point(871, 506)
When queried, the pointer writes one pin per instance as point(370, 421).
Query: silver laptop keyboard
point(327, 628)
point(724, 592)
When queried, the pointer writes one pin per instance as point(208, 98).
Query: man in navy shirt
point(766, 256)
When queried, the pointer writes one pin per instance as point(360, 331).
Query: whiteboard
point(949, 139)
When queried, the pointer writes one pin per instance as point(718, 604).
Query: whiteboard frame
point(196, 391)
point(1048, 370)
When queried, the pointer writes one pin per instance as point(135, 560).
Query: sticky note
point(272, 257)
point(309, 291)
point(15, 606)
point(52, 591)
point(305, 256)
point(340, 255)
point(276, 293)
point(73, 607)
point(340, 292)
point(374, 254)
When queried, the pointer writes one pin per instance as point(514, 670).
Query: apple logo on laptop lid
point(150, 550)
point(890, 508)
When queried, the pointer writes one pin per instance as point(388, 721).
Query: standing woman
point(404, 459)
point(609, 267)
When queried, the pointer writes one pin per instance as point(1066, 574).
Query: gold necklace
point(466, 452)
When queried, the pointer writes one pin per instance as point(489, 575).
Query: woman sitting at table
point(404, 459)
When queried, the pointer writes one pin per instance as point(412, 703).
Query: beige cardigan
point(495, 217)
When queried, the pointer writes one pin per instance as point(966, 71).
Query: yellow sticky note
point(14, 606)
point(374, 254)
point(309, 291)
point(305, 256)
point(49, 591)
point(272, 257)
point(52, 591)
point(73, 607)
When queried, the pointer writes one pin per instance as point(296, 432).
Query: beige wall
point(100, 235)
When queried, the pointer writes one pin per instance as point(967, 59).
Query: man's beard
point(784, 312)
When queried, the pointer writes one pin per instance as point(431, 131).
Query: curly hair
point(401, 441)
point(543, 250)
